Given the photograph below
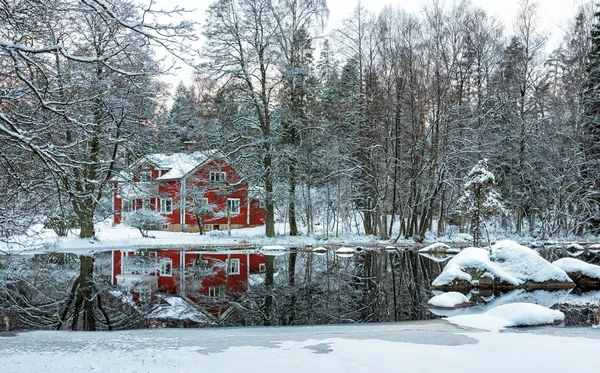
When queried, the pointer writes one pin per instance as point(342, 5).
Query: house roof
point(180, 164)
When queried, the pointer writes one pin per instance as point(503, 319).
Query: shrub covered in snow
point(144, 220)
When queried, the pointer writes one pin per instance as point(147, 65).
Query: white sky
point(553, 14)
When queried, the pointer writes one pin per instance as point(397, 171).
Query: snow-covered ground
point(434, 346)
point(108, 237)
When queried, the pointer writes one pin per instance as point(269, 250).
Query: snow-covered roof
point(180, 164)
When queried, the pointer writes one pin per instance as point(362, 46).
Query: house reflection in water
point(208, 280)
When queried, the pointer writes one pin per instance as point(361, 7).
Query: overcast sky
point(553, 14)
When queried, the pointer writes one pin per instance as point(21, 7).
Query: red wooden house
point(209, 280)
point(172, 183)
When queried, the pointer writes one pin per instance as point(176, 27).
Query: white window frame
point(239, 206)
point(233, 266)
point(216, 291)
point(218, 176)
point(146, 204)
point(163, 210)
point(166, 268)
point(262, 267)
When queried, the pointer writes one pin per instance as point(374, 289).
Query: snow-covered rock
point(437, 247)
point(345, 252)
point(513, 314)
point(450, 300)
point(319, 250)
point(583, 274)
point(273, 250)
point(594, 248)
point(509, 265)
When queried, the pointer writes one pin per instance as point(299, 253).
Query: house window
point(165, 226)
point(146, 204)
point(216, 291)
point(126, 206)
point(218, 176)
point(166, 205)
point(233, 206)
point(166, 267)
point(233, 266)
point(262, 267)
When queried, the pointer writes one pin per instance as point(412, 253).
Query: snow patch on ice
point(513, 314)
point(448, 300)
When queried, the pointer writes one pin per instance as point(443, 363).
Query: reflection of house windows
point(126, 206)
point(233, 266)
point(166, 205)
point(233, 206)
point(146, 204)
point(262, 267)
point(216, 291)
point(218, 176)
point(166, 267)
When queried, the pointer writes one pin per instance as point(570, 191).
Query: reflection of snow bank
point(514, 314)
point(509, 263)
point(451, 299)
point(176, 308)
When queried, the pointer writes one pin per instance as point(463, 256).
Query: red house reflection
point(208, 280)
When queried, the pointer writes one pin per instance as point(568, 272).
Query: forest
point(379, 127)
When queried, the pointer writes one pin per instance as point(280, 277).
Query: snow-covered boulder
point(345, 252)
point(438, 247)
point(450, 300)
point(584, 275)
point(509, 266)
point(513, 314)
point(594, 248)
point(273, 250)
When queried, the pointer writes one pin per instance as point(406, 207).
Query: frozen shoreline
point(386, 347)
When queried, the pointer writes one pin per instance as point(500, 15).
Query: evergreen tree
point(480, 200)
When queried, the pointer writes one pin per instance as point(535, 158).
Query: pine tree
point(480, 200)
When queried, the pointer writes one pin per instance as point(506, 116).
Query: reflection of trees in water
point(300, 288)
point(372, 286)
point(60, 290)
